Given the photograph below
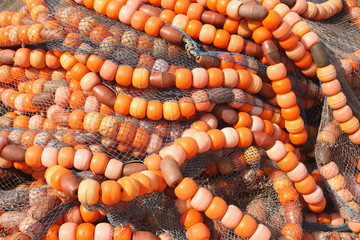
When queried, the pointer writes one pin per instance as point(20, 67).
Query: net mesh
point(243, 177)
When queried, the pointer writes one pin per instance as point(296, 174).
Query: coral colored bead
point(306, 185)
point(355, 137)
point(202, 199)
point(217, 208)
point(289, 43)
point(298, 173)
point(246, 226)
point(309, 39)
point(272, 20)
point(350, 126)
point(262, 232)
point(207, 34)
point(180, 21)
point(171, 111)
point(130, 188)
point(276, 72)
point(292, 18)
point(186, 189)
point(98, 163)
point(277, 152)
point(231, 137)
point(286, 100)
point(191, 217)
point(103, 231)
point(183, 78)
point(154, 110)
point(194, 11)
point(66, 157)
point(189, 145)
point(175, 152)
point(216, 77)
point(138, 107)
point(193, 28)
point(319, 207)
point(231, 217)
point(152, 26)
point(217, 139)
point(315, 196)
point(282, 31)
point(198, 231)
point(245, 137)
point(261, 34)
point(281, 86)
point(343, 114)
point(301, 28)
point(138, 20)
point(200, 77)
point(167, 16)
point(221, 39)
point(67, 231)
point(337, 101)
point(331, 88)
point(203, 141)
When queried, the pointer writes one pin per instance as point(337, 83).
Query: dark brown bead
point(13, 153)
point(226, 113)
point(171, 35)
point(253, 11)
point(262, 140)
point(252, 49)
point(131, 168)
point(208, 61)
point(289, 3)
point(43, 100)
point(266, 91)
point(319, 55)
point(271, 52)
point(7, 56)
point(170, 192)
point(141, 235)
point(171, 171)
point(70, 184)
point(105, 95)
point(213, 18)
point(150, 10)
point(306, 147)
point(162, 79)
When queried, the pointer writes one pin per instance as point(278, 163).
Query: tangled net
point(179, 119)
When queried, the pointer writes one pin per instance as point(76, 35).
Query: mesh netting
point(47, 107)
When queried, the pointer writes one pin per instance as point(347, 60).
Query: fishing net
point(46, 106)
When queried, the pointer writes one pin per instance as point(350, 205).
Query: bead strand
point(103, 231)
point(325, 72)
point(8, 18)
point(216, 139)
point(329, 170)
point(289, 199)
point(333, 219)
